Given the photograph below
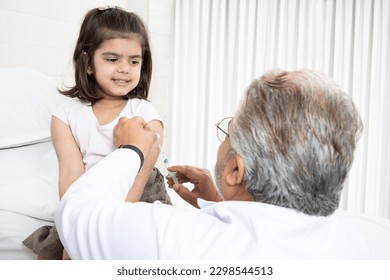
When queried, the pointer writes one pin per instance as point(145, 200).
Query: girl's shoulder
point(137, 101)
point(141, 107)
point(71, 108)
point(74, 104)
point(137, 104)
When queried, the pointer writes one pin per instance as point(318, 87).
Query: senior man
point(280, 170)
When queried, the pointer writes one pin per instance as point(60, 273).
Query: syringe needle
point(166, 163)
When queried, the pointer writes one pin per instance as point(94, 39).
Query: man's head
point(295, 134)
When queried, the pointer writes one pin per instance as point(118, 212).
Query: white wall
point(41, 34)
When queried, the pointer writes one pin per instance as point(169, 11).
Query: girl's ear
point(89, 70)
point(235, 171)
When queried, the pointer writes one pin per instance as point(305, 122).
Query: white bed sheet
point(14, 228)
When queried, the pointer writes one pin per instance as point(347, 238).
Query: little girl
point(113, 68)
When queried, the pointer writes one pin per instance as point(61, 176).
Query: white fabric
point(29, 181)
point(95, 140)
point(93, 209)
point(14, 228)
point(28, 98)
point(375, 229)
point(28, 163)
point(220, 46)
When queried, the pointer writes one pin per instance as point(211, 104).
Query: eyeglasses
point(222, 128)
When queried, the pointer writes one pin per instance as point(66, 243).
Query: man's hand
point(135, 132)
point(204, 186)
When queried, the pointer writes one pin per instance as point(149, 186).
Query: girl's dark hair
point(97, 27)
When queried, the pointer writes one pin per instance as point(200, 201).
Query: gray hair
point(296, 133)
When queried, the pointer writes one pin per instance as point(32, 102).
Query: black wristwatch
point(135, 149)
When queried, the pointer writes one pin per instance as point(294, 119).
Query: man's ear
point(235, 171)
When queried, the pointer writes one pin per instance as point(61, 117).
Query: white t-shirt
point(95, 140)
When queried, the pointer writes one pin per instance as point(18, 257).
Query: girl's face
point(117, 67)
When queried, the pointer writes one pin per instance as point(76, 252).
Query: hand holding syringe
point(166, 163)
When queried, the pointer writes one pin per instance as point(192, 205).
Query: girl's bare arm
point(70, 160)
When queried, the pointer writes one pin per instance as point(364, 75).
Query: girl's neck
point(107, 110)
point(107, 103)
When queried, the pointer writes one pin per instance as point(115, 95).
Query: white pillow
point(29, 180)
point(28, 99)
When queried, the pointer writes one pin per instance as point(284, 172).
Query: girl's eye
point(112, 59)
point(135, 61)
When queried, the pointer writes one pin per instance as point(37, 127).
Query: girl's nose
point(123, 68)
point(123, 71)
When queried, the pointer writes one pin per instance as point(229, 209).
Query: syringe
point(166, 163)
